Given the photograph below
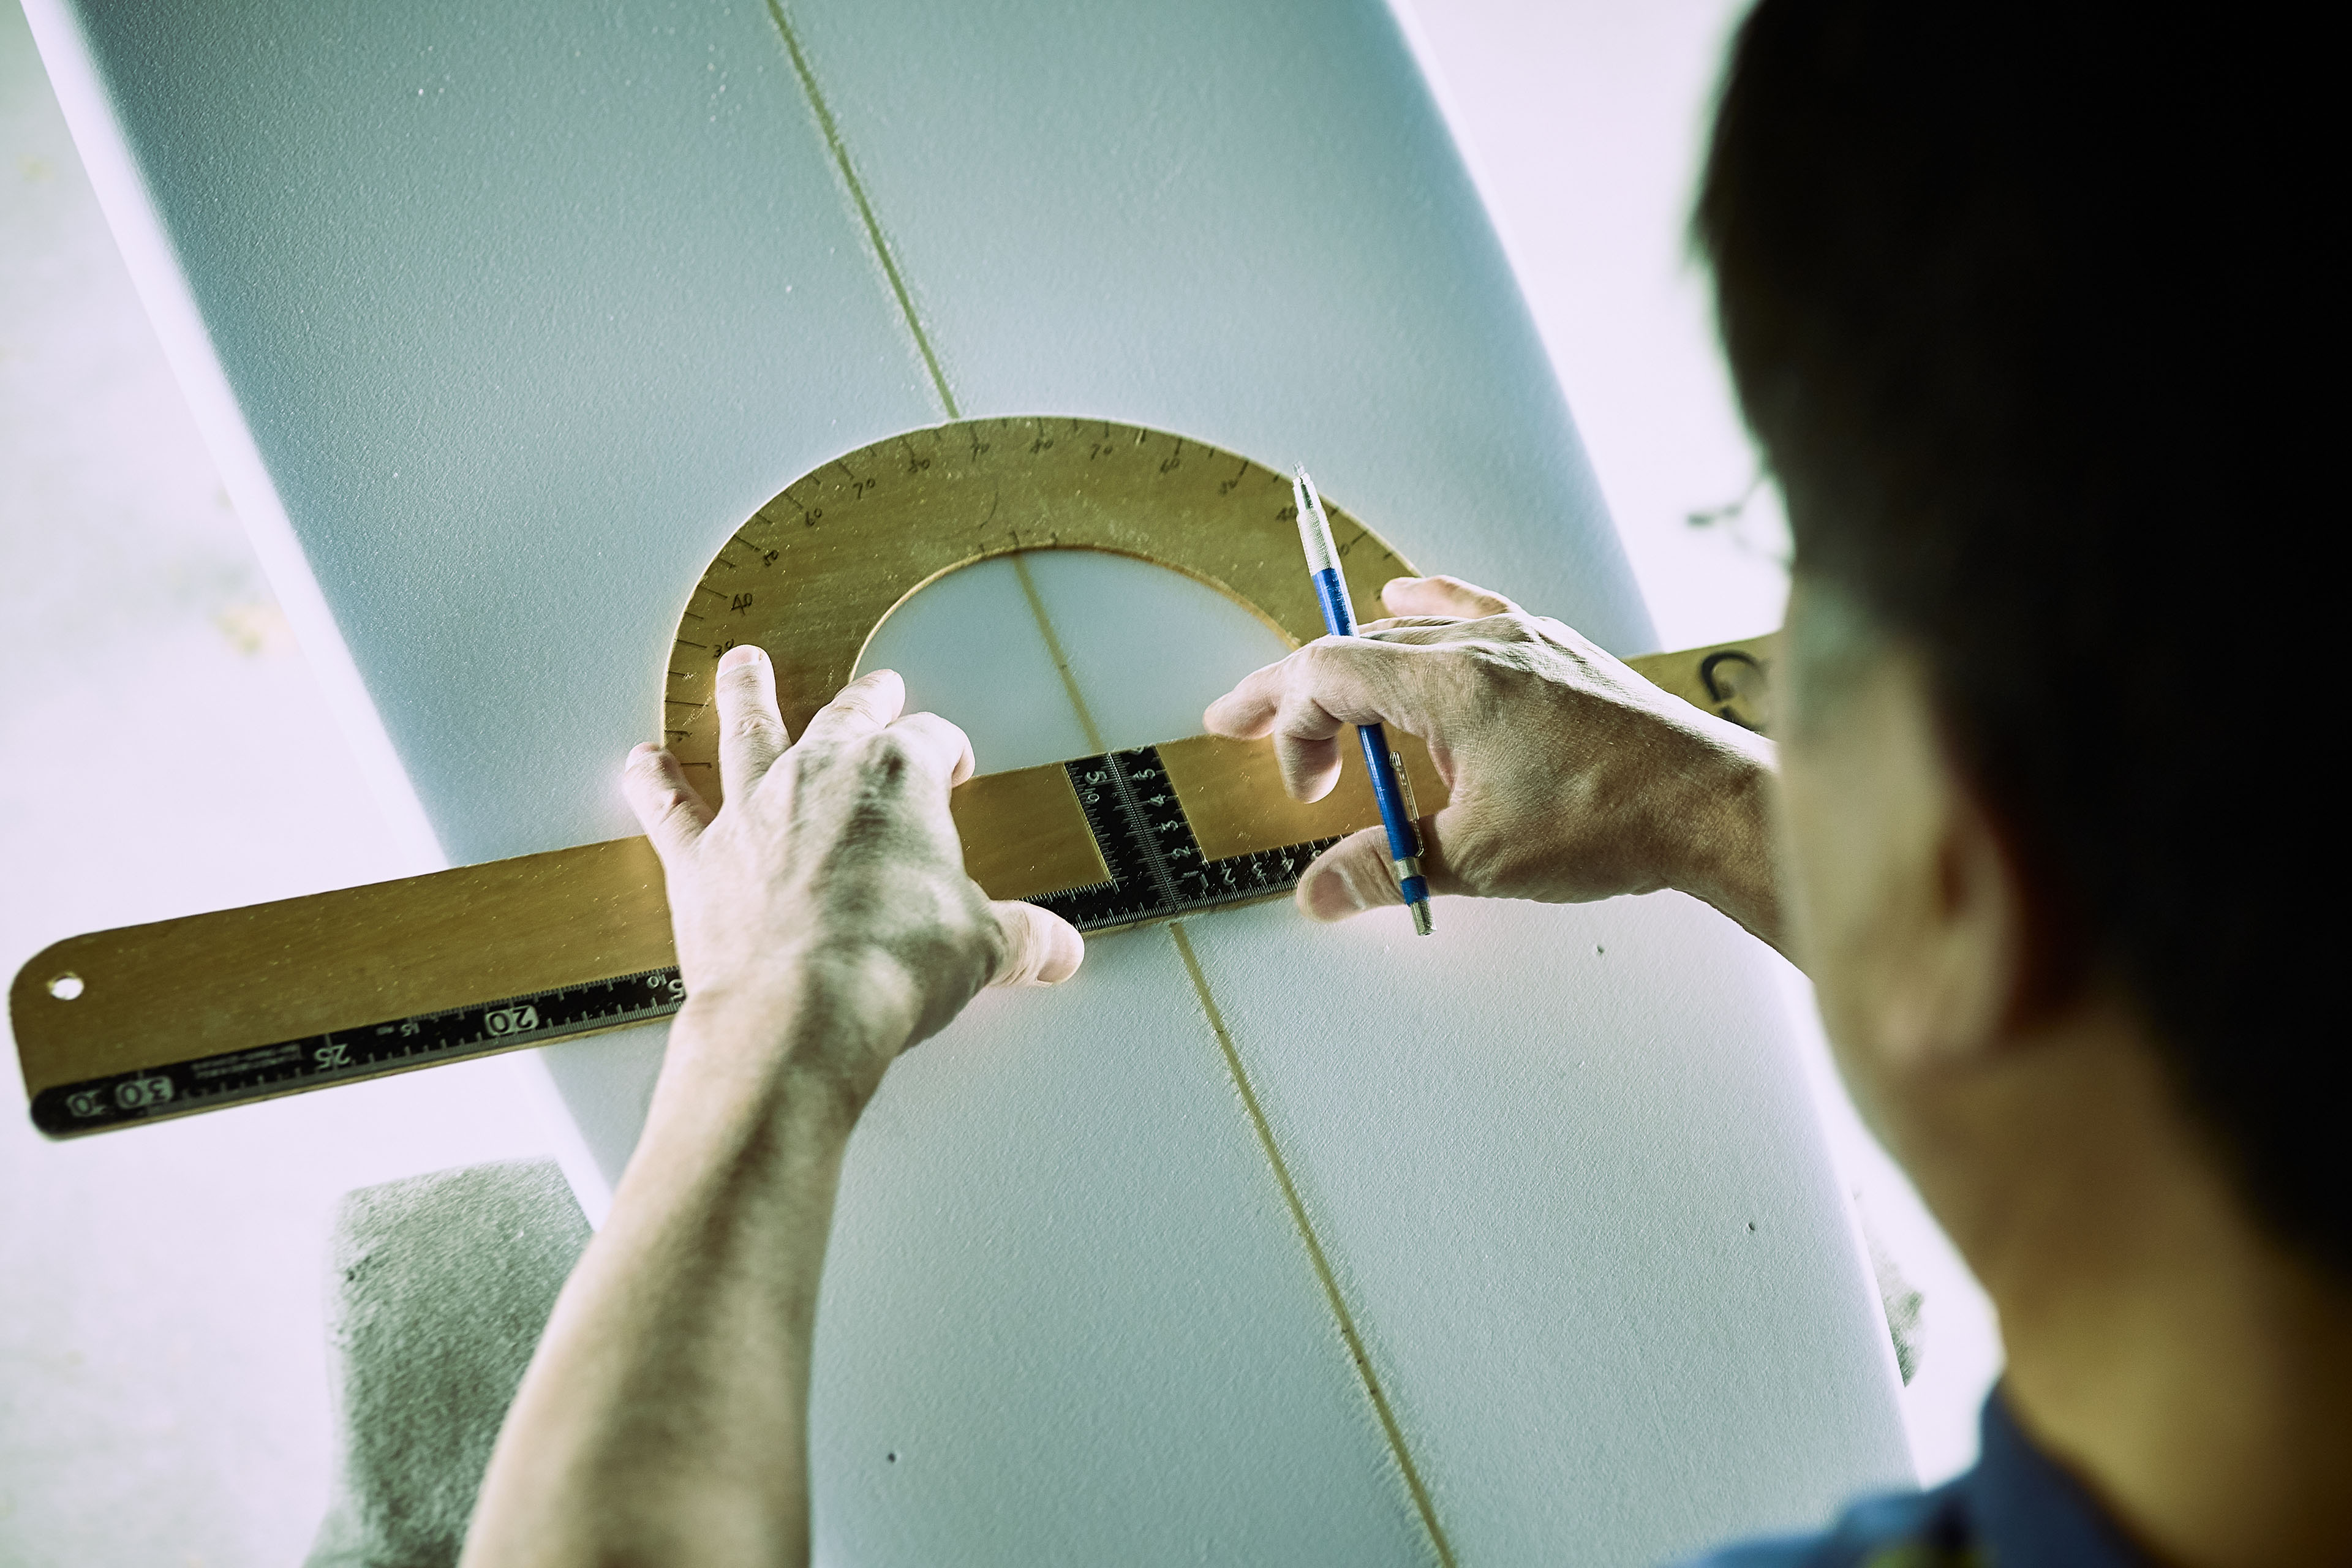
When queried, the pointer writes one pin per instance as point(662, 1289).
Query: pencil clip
point(1412, 807)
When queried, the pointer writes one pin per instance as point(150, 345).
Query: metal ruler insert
point(372, 1050)
point(1157, 870)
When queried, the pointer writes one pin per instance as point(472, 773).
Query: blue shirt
point(2016, 1510)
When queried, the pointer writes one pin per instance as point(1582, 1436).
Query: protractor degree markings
point(919, 463)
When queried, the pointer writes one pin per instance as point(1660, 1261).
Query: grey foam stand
point(441, 1286)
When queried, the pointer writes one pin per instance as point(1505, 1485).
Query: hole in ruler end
point(66, 987)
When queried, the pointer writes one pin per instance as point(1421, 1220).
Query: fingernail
point(741, 654)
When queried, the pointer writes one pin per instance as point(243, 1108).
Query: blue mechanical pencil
point(1339, 619)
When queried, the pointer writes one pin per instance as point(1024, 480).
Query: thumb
point(1040, 948)
point(1356, 874)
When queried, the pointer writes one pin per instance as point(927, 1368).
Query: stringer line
point(864, 208)
point(1240, 1075)
point(1061, 660)
point(1338, 1303)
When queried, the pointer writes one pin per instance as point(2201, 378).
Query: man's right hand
point(1572, 778)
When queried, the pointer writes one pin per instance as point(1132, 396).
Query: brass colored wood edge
point(1730, 679)
point(811, 574)
point(1025, 833)
point(1234, 800)
point(181, 989)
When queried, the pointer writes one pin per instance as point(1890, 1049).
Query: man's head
point(2015, 303)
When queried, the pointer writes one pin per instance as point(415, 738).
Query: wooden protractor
point(814, 573)
point(129, 1026)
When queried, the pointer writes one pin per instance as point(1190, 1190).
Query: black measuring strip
point(1157, 868)
point(1157, 872)
point(426, 1039)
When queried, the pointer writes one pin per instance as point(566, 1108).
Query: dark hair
point(2031, 312)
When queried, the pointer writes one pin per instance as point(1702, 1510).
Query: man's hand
point(834, 867)
point(824, 924)
point(1571, 777)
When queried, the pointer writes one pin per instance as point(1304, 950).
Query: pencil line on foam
point(1422, 1502)
point(839, 147)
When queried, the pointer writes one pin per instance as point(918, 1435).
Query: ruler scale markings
point(1158, 872)
point(366, 1051)
point(1126, 768)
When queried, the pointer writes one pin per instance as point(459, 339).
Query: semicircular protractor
point(1110, 840)
point(809, 575)
point(129, 1025)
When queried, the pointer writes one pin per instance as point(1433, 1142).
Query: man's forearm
point(665, 1417)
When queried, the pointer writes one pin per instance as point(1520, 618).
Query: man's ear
point(1965, 987)
point(1912, 914)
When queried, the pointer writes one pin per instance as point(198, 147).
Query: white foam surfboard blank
point(1241, 222)
point(1565, 1166)
point(1065, 1294)
point(524, 311)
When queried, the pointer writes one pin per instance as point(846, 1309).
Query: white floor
point(162, 1383)
point(163, 1375)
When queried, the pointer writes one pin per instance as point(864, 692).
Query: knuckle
point(841, 717)
point(939, 734)
point(1315, 666)
point(673, 805)
point(890, 751)
point(886, 761)
point(1005, 948)
point(753, 726)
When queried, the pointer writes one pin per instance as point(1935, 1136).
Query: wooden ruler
point(123, 1026)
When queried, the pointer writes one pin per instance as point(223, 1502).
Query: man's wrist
point(1729, 859)
point(809, 1040)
